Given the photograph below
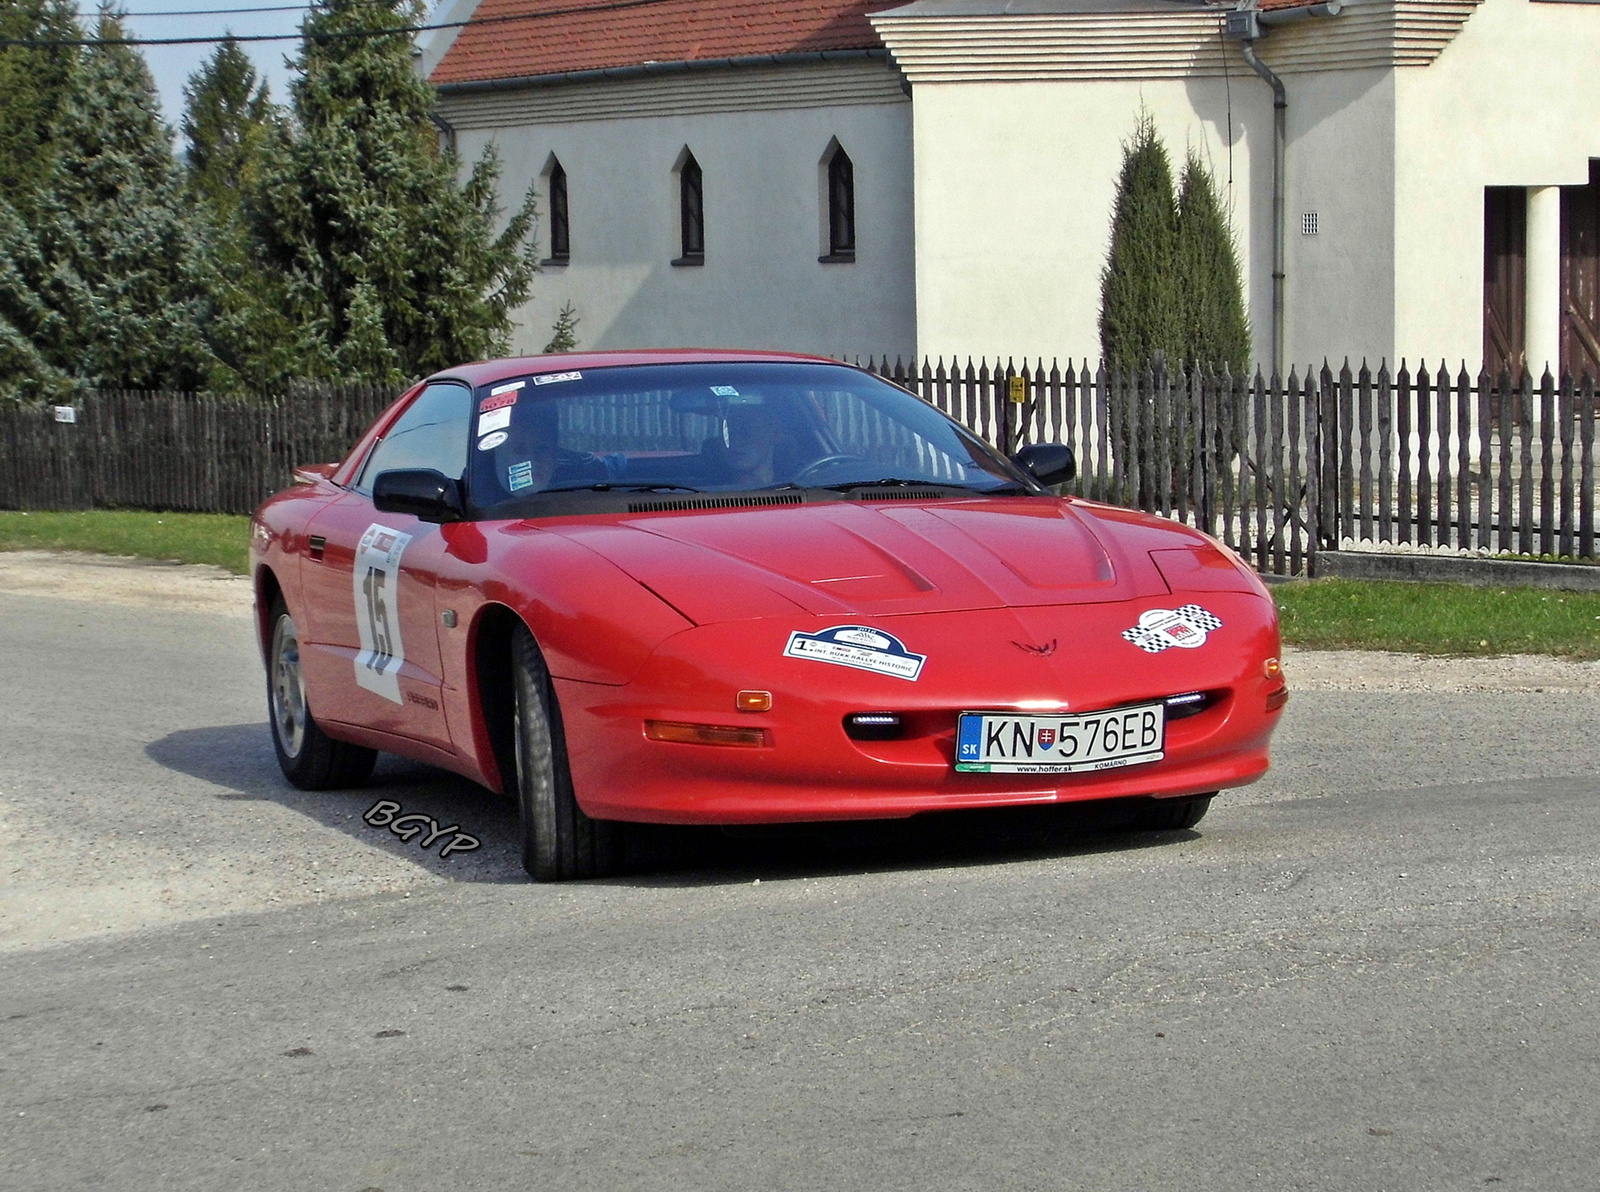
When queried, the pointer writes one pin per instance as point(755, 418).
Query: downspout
point(1280, 225)
point(1245, 25)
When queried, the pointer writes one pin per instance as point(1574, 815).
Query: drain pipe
point(1245, 25)
point(1280, 225)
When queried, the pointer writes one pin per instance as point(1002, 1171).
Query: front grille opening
point(873, 726)
point(1190, 703)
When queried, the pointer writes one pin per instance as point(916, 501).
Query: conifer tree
point(1216, 329)
point(34, 82)
point(390, 268)
point(1139, 294)
point(229, 123)
point(564, 334)
point(100, 285)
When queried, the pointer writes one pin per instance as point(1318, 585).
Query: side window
point(839, 188)
point(432, 433)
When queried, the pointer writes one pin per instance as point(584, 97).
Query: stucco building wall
point(761, 285)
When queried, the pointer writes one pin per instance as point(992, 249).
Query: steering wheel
point(818, 466)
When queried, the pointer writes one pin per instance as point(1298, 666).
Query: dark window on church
point(841, 208)
point(560, 244)
point(691, 213)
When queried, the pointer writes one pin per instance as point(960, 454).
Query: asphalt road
point(1375, 970)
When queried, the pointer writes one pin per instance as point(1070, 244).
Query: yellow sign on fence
point(1017, 389)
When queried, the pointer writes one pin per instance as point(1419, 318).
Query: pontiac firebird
point(739, 588)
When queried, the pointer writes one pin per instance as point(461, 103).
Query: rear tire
point(559, 841)
point(1173, 815)
point(308, 757)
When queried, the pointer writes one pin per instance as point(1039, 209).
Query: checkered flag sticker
point(1161, 629)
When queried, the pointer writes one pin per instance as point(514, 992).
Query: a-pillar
point(1542, 331)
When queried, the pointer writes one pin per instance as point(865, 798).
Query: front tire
point(308, 757)
point(559, 841)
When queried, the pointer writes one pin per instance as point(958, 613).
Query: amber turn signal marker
point(754, 701)
point(1272, 668)
point(704, 734)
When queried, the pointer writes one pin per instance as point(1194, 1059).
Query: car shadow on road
point(238, 759)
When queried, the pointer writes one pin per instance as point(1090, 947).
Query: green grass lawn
point(1319, 614)
point(219, 538)
point(1438, 618)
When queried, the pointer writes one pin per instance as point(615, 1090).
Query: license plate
point(1007, 743)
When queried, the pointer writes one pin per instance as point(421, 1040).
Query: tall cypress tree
point(1139, 294)
point(101, 284)
point(34, 83)
point(1216, 329)
point(229, 123)
point(390, 269)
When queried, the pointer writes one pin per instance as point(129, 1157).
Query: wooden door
point(1505, 267)
point(1580, 276)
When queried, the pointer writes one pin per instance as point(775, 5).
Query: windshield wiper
point(606, 486)
point(901, 482)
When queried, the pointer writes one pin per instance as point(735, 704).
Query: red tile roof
point(595, 34)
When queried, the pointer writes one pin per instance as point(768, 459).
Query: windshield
point(718, 427)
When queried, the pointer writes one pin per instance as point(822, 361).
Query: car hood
point(844, 559)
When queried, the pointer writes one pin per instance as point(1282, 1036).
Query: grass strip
point(218, 538)
point(1455, 619)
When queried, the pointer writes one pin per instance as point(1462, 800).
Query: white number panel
point(377, 582)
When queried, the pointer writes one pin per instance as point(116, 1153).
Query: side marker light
point(704, 734)
point(1272, 668)
point(753, 701)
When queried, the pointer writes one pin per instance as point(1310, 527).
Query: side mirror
point(425, 494)
point(1048, 463)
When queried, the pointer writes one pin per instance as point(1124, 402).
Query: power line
point(218, 12)
point(68, 43)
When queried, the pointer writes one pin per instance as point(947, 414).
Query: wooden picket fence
point(1278, 470)
point(180, 451)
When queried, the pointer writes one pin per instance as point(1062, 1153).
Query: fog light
point(873, 726)
point(1190, 703)
point(1272, 668)
point(704, 734)
point(753, 701)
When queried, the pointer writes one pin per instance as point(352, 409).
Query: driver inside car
point(753, 433)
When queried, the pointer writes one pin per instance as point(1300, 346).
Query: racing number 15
point(373, 585)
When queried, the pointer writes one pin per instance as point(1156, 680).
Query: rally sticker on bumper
point(1164, 628)
point(857, 646)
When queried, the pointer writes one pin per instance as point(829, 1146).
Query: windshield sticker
point(724, 391)
point(555, 378)
point(497, 401)
point(520, 475)
point(859, 647)
point(376, 580)
point(511, 388)
point(490, 442)
point(494, 420)
point(1163, 628)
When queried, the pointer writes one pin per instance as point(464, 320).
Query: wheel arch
point(492, 693)
point(268, 590)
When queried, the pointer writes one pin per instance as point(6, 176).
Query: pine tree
point(101, 284)
point(230, 123)
point(34, 83)
point(1216, 329)
point(564, 335)
point(390, 269)
point(1139, 297)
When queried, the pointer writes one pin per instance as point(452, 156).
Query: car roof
point(487, 372)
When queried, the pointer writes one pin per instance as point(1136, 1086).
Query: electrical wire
point(344, 35)
point(218, 12)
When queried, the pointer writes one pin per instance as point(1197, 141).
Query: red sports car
point(739, 588)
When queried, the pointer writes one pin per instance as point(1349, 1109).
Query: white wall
point(1015, 183)
point(761, 285)
point(1514, 100)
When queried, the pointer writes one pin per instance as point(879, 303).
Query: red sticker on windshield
point(497, 401)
